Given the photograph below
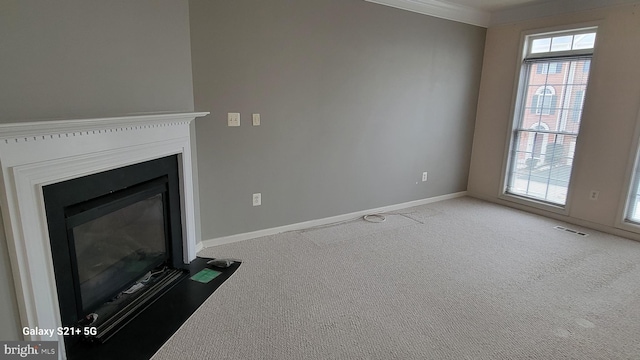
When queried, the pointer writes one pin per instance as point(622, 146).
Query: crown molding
point(551, 8)
point(441, 9)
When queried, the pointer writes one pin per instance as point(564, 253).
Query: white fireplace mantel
point(35, 154)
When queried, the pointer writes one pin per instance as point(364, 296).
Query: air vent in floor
point(562, 228)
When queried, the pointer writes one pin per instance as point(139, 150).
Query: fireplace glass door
point(118, 248)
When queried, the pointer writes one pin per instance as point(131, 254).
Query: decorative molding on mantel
point(71, 150)
point(441, 9)
point(40, 130)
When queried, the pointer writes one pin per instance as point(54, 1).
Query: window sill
point(628, 226)
point(557, 209)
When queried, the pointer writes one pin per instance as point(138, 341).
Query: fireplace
point(116, 238)
point(37, 155)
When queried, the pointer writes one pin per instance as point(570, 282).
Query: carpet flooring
point(458, 279)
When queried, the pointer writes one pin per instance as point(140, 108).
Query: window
point(631, 213)
point(551, 92)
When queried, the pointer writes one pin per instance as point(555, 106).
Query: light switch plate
point(233, 119)
point(256, 119)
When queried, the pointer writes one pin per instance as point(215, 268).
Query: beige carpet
point(459, 279)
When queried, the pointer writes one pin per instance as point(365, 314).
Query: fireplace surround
point(36, 154)
point(108, 231)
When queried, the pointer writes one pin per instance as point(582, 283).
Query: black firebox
point(116, 242)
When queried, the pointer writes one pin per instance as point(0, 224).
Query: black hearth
point(116, 240)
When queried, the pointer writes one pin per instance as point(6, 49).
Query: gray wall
point(78, 58)
point(356, 99)
point(88, 58)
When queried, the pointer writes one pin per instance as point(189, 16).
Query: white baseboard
point(199, 246)
point(325, 221)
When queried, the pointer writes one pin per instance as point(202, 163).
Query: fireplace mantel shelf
point(40, 130)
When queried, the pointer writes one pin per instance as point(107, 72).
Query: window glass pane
point(561, 43)
point(576, 108)
point(542, 174)
point(633, 207)
point(540, 45)
point(584, 41)
point(633, 211)
point(535, 175)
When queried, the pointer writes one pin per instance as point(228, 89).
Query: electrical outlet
point(593, 195)
point(256, 119)
point(424, 176)
point(233, 119)
point(257, 199)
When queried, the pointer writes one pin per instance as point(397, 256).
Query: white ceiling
point(494, 5)
point(488, 13)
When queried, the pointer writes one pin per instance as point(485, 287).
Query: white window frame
point(517, 103)
point(629, 184)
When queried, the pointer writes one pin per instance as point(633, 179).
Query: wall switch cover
point(256, 119)
point(233, 119)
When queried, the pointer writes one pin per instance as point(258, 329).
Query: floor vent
point(562, 228)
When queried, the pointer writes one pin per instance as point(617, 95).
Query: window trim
point(633, 162)
point(517, 100)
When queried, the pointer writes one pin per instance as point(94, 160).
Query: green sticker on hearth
point(205, 275)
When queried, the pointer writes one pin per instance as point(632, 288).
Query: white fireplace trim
point(36, 154)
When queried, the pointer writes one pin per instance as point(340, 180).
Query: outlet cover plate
point(257, 199)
